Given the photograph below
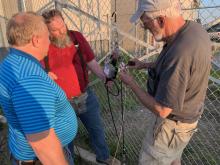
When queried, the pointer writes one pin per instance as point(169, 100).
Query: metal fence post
point(21, 5)
point(58, 5)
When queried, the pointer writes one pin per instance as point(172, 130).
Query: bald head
point(26, 31)
point(22, 26)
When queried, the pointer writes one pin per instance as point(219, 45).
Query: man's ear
point(161, 21)
point(35, 40)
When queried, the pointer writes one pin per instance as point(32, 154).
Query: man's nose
point(62, 31)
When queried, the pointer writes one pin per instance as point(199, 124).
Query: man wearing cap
point(177, 80)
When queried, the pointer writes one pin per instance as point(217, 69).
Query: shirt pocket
point(181, 137)
point(169, 135)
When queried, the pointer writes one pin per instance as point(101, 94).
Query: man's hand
point(125, 77)
point(109, 83)
point(52, 75)
point(135, 64)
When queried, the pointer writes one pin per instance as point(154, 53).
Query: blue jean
point(91, 119)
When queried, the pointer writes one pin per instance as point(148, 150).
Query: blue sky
point(207, 15)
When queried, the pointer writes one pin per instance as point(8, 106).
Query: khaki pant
point(165, 141)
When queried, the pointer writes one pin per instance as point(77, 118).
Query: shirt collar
point(24, 54)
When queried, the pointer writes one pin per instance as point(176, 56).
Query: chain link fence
point(105, 22)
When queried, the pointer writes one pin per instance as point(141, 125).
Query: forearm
point(146, 65)
point(149, 102)
point(96, 69)
point(47, 147)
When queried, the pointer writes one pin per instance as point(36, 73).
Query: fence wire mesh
point(94, 19)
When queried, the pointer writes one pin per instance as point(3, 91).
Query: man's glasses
point(146, 22)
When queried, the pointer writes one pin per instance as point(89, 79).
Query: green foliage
point(215, 73)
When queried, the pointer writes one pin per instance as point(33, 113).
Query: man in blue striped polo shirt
point(40, 119)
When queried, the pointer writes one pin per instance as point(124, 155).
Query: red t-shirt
point(66, 64)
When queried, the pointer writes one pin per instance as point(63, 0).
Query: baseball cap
point(150, 6)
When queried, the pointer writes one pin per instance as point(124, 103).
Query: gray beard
point(61, 43)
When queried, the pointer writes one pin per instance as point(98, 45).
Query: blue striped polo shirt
point(32, 103)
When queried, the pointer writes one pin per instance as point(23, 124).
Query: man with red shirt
point(68, 58)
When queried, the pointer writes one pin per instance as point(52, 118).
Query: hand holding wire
point(134, 64)
point(125, 76)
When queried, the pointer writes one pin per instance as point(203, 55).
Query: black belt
point(20, 162)
point(175, 118)
point(172, 117)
